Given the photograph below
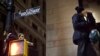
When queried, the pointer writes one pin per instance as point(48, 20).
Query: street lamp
point(16, 48)
point(9, 22)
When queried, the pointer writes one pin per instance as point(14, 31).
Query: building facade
point(33, 26)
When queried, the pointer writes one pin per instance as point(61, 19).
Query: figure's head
point(79, 9)
point(20, 36)
point(89, 14)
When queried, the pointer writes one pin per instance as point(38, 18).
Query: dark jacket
point(91, 21)
point(80, 28)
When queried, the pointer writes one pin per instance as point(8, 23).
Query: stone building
point(33, 26)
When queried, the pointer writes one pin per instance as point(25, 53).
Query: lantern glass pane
point(16, 48)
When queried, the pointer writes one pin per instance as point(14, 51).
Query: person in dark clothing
point(81, 34)
point(91, 21)
point(9, 38)
point(94, 34)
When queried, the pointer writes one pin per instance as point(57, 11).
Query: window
point(34, 26)
point(44, 20)
point(21, 30)
point(45, 35)
point(35, 3)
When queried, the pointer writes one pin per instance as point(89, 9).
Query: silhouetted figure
point(9, 38)
point(81, 34)
point(91, 21)
point(94, 34)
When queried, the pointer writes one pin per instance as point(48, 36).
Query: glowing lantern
point(14, 48)
point(17, 48)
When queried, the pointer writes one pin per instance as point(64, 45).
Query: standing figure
point(94, 34)
point(95, 40)
point(81, 34)
point(10, 37)
point(26, 43)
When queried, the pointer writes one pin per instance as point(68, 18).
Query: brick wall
point(59, 28)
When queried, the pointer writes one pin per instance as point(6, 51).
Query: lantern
point(18, 48)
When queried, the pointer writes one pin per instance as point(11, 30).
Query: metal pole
point(9, 22)
point(10, 15)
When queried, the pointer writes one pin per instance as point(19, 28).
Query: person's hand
point(31, 44)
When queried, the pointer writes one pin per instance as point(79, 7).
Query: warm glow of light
point(14, 48)
point(96, 16)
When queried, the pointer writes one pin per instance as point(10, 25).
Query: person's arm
point(5, 47)
point(90, 19)
point(30, 43)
